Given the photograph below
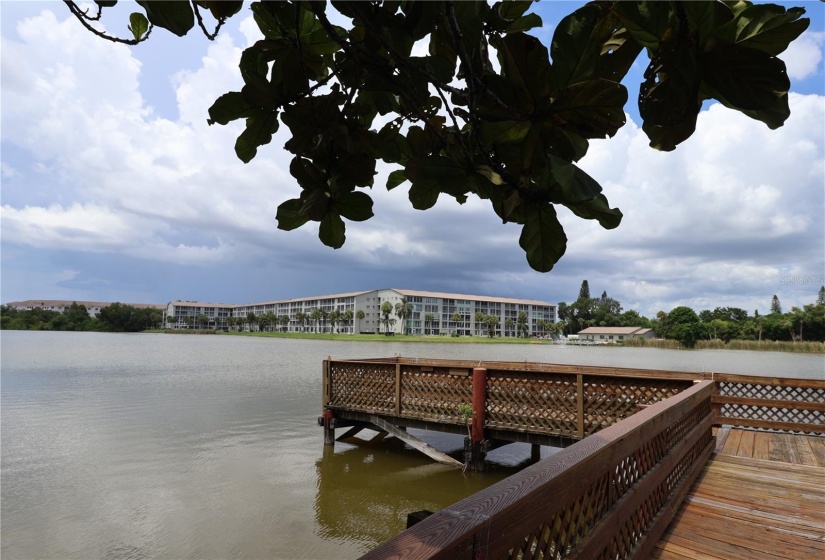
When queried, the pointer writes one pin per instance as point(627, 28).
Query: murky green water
point(160, 446)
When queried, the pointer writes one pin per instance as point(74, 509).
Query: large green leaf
point(592, 109)
point(525, 23)
point(289, 215)
point(173, 15)
point(542, 237)
point(424, 194)
point(355, 170)
point(435, 168)
point(229, 107)
point(259, 130)
point(646, 21)
point(576, 47)
point(707, 17)
point(619, 52)
point(598, 209)
point(525, 63)
point(745, 79)
point(512, 9)
point(355, 206)
point(570, 184)
point(138, 25)
point(332, 231)
point(307, 174)
point(395, 178)
point(768, 27)
point(504, 132)
point(773, 116)
point(669, 100)
point(221, 9)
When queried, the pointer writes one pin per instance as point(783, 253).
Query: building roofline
point(492, 299)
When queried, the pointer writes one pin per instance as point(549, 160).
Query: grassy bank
point(384, 338)
point(181, 331)
point(804, 347)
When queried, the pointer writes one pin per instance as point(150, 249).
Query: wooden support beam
point(349, 433)
point(415, 443)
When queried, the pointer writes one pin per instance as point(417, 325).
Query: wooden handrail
point(576, 503)
point(741, 400)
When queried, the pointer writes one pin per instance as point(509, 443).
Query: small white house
point(614, 334)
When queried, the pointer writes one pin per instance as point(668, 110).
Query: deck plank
point(818, 448)
point(759, 498)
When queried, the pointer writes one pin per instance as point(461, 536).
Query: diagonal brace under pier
point(415, 443)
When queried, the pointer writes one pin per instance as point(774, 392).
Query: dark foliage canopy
point(453, 123)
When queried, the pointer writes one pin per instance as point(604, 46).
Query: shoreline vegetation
point(805, 347)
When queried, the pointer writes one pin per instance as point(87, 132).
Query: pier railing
point(610, 495)
point(567, 401)
point(770, 403)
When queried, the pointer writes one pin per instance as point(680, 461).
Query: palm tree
point(386, 309)
point(360, 316)
point(315, 316)
point(347, 317)
point(324, 317)
point(404, 309)
point(201, 319)
point(508, 324)
point(428, 320)
point(301, 317)
point(492, 322)
point(523, 329)
point(479, 317)
point(456, 318)
point(252, 319)
point(334, 318)
point(388, 322)
point(284, 320)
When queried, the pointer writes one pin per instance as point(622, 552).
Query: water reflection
point(364, 492)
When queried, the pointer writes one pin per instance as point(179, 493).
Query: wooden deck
point(761, 497)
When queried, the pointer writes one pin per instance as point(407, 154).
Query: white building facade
point(430, 313)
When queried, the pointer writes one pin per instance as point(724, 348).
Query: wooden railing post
point(398, 389)
point(479, 410)
point(327, 382)
point(327, 419)
point(580, 406)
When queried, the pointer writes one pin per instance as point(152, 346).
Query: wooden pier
point(540, 404)
point(762, 496)
point(637, 441)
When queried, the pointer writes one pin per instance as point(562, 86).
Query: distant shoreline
point(804, 347)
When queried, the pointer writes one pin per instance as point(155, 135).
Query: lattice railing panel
point(637, 526)
point(560, 534)
point(564, 531)
point(435, 394)
point(785, 410)
point(363, 386)
point(771, 392)
point(545, 404)
point(608, 400)
point(772, 414)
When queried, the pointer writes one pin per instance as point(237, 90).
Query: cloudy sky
point(115, 189)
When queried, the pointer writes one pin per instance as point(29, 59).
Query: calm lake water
point(162, 446)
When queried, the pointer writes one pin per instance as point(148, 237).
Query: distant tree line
point(687, 326)
point(117, 317)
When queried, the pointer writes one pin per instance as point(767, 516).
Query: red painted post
point(479, 409)
point(479, 402)
point(328, 419)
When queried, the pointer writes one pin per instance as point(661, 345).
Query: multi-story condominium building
point(60, 305)
point(429, 313)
